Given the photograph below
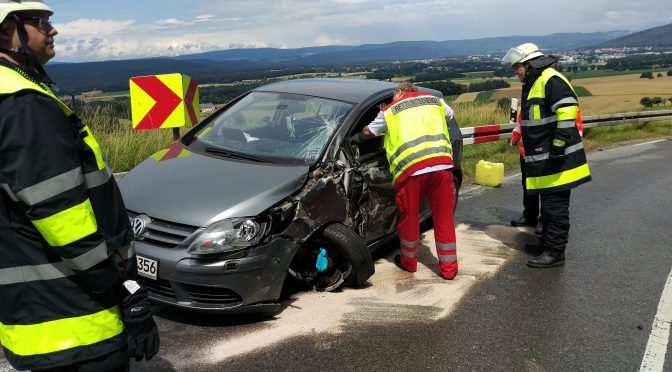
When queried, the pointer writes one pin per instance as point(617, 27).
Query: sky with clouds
point(92, 30)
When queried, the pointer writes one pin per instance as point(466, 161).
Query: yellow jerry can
point(489, 174)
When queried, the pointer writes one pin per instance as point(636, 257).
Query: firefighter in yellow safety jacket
point(555, 161)
point(65, 242)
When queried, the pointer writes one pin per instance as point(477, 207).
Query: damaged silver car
point(268, 188)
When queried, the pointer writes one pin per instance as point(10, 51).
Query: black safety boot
point(534, 249)
point(397, 262)
point(539, 230)
point(523, 221)
point(550, 258)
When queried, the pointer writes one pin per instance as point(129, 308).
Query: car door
point(376, 213)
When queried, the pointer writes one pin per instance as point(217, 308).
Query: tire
point(350, 254)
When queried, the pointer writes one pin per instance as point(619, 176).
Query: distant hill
point(239, 64)
point(659, 37)
point(404, 50)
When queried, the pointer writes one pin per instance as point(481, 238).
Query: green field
point(468, 80)
point(603, 73)
point(479, 74)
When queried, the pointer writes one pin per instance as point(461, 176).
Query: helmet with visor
point(521, 53)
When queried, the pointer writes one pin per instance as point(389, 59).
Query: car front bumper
point(232, 285)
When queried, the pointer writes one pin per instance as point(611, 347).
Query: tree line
point(450, 88)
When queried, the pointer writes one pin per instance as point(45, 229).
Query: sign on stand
point(164, 101)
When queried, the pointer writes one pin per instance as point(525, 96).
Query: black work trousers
point(530, 202)
point(555, 214)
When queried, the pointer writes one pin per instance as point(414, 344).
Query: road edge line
point(656, 347)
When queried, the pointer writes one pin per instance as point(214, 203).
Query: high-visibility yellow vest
point(417, 133)
point(540, 118)
point(47, 317)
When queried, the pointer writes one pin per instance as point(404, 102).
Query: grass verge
point(123, 148)
point(595, 139)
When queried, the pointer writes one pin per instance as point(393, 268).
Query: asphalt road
point(594, 314)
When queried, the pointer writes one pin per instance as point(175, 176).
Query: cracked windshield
point(274, 127)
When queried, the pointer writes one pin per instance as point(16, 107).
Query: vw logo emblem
point(139, 225)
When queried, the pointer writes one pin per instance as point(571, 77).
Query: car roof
point(350, 90)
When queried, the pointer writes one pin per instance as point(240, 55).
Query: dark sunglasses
point(41, 22)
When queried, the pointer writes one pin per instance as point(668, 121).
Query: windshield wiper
point(235, 155)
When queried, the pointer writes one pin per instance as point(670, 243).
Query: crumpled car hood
point(213, 188)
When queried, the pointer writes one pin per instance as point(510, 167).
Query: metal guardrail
point(489, 133)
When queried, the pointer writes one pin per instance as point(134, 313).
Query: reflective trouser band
point(408, 254)
point(62, 334)
point(409, 249)
point(558, 179)
point(446, 252)
point(69, 225)
point(410, 245)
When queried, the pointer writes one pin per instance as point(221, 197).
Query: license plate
point(147, 267)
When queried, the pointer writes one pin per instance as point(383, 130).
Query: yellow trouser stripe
point(558, 179)
point(69, 225)
point(62, 334)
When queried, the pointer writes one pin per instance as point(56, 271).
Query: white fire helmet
point(521, 53)
point(9, 6)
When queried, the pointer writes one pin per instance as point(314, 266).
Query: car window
point(375, 145)
point(280, 127)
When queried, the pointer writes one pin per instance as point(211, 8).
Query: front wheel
point(348, 253)
point(348, 260)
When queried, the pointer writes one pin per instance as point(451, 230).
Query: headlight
point(227, 236)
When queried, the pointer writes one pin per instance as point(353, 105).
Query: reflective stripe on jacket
point(61, 219)
point(542, 121)
point(417, 134)
point(517, 136)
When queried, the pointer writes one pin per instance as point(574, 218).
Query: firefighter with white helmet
point(555, 160)
point(66, 251)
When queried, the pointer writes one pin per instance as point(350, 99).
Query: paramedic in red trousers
point(69, 302)
point(420, 156)
point(555, 161)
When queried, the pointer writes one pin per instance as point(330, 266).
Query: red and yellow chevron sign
point(164, 101)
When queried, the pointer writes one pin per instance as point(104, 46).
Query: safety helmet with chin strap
point(521, 53)
point(9, 8)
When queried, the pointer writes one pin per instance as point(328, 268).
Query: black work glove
point(141, 331)
point(356, 138)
